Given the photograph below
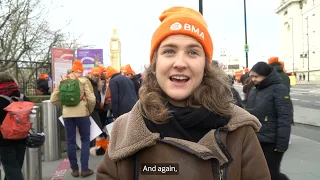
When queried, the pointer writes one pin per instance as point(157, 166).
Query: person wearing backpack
point(74, 93)
point(11, 151)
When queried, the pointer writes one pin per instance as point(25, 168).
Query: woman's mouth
point(179, 78)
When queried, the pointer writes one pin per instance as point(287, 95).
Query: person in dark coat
point(42, 87)
point(123, 95)
point(270, 102)
point(136, 78)
point(94, 78)
point(244, 76)
point(235, 93)
point(11, 151)
point(247, 85)
point(279, 67)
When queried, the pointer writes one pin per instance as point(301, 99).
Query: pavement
point(311, 82)
point(301, 161)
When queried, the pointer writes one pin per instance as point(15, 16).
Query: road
point(307, 96)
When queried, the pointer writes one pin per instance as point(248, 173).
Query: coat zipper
point(222, 170)
point(223, 174)
point(218, 173)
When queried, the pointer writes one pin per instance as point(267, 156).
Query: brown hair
point(213, 93)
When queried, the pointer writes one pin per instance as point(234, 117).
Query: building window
point(287, 26)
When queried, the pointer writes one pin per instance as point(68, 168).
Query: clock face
point(114, 46)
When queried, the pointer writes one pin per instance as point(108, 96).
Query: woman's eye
point(192, 52)
point(169, 51)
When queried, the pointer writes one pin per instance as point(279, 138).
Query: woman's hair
point(6, 77)
point(262, 68)
point(213, 93)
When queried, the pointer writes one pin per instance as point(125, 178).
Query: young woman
point(270, 102)
point(184, 126)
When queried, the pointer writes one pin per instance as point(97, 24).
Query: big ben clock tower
point(115, 50)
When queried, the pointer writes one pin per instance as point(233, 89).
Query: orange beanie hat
point(128, 70)
point(77, 66)
point(110, 71)
point(282, 64)
point(95, 71)
point(182, 20)
point(272, 60)
point(102, 69)
point(44, 76)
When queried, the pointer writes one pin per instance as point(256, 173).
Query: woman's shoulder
point(241, 118)
point(129, 134)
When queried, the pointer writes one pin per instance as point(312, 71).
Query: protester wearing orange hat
point(273, 60)
point(279, 67)
point(77, 116)
point(110, 72)
point(184, 105)
point(42, 87)
point(136, 78)
point(77, 66)
point(95, 79)
point(123, 96)
point(127, 71)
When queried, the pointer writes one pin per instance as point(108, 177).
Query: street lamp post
point(292, 44)
point(245, 30)
point(200, 7)
point(308, 53)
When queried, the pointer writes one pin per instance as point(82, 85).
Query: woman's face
point(179, 66)
point(256, 78)
point(130, 76)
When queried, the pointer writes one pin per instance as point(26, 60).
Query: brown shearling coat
point(232, 152)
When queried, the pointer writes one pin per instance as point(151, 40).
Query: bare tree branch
point(26, 38)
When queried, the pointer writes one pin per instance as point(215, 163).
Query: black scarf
point(188, 123)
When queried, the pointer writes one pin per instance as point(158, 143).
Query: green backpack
point(70, 92)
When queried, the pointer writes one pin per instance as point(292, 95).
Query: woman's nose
point(180, 62)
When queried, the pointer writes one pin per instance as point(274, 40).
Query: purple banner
point(90, 57)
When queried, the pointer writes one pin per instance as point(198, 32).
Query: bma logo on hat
point(187, 27)
point(175, 26)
